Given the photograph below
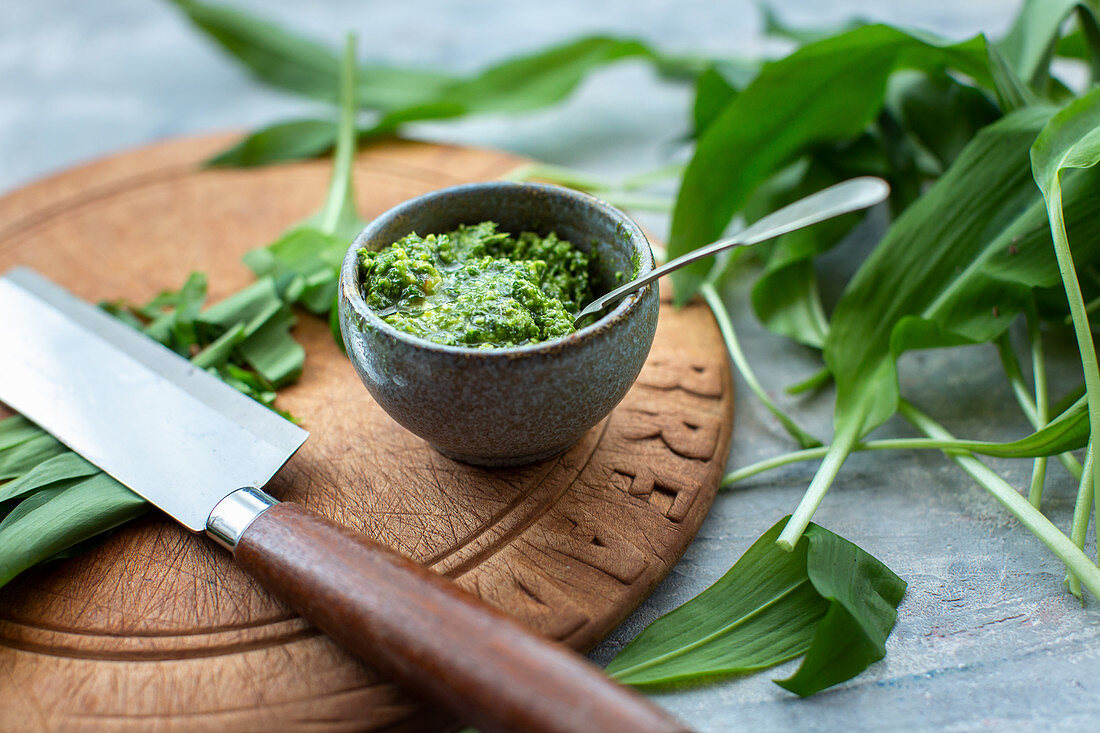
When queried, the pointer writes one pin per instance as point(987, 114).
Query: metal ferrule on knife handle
point(233, 515)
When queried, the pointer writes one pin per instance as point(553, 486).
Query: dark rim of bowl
point(350, 286)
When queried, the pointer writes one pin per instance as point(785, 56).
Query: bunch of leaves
point(989, 157)
point(955, 128)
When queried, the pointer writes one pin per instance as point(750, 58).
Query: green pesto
point(477, 286)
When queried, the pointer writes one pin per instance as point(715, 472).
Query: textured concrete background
point(986, 638)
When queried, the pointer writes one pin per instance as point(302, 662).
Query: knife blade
point(201, 451)
point(166, 429)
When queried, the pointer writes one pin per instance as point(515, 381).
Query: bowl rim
point(352, 294)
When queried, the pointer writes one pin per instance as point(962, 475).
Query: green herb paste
point(477, 286)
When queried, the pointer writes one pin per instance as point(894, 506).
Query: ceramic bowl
point(504, 406)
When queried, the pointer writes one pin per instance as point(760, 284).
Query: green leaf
point(825, 91)
point(1071, 140)
point(955, 268)
point(265, 342)
point(287, 61)
point(22, 457)
point(1069, 431)
point(826, 598)
point(277, 143)
point(760, 613)
point(863, 596)
point(786, 297)
point(521, 84)
point(173, 315)
point(62, 467)
point(17, 429)
point(939, 116)
point(714, 89)
point(55, 518)
point(1030, 42)
point(1012, 91)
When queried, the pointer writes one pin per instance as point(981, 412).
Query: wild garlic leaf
point(1030, 43)
point(863, 596)
point(825, 91)
point(62, 467)
point(826, 598)
point(23, 456)
point(763, 611)
point(1071, 142)
point(1012, 91)
point(287, 61)
point(265, 342)
point(955, 268)
point(786, 297)
point(1068, 431)
point(529, 82)
point(17, 429)
point(278, 143)
point(60, 516)
point(939, 116)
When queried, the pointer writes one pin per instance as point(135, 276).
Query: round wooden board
point(158, 630)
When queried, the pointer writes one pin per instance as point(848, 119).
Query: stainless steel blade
point(178, 436)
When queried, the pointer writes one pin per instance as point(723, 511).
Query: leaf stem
point(737, 356)
point(1016, 379)
point(844, 440)
point(1002, 491)
point(1039, 376)
point(1081, 509)
point(339, 192)
point(1084, 334)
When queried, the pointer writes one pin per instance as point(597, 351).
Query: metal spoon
point(853, 195)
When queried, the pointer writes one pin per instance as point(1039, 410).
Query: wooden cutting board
point(158, 630)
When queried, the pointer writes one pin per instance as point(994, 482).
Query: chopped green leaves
point(826, 599)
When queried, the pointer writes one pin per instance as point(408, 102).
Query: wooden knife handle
point(431, 636)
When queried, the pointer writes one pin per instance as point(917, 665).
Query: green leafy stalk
point(844, 441)
point(1039, 371)
point(1011, 366)
point(1029, 516)
point(737, 356)
point(305, 261)
point(1070, 430)
point(1081, 509)
point(1072, 140)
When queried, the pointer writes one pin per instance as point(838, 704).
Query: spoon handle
point(843, 198)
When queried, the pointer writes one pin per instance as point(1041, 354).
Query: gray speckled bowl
point(504, 406)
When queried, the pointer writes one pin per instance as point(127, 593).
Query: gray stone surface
point(986, 639)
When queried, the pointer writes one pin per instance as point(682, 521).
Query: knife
point(201, 451)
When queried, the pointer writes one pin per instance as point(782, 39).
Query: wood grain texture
point(156, 630)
